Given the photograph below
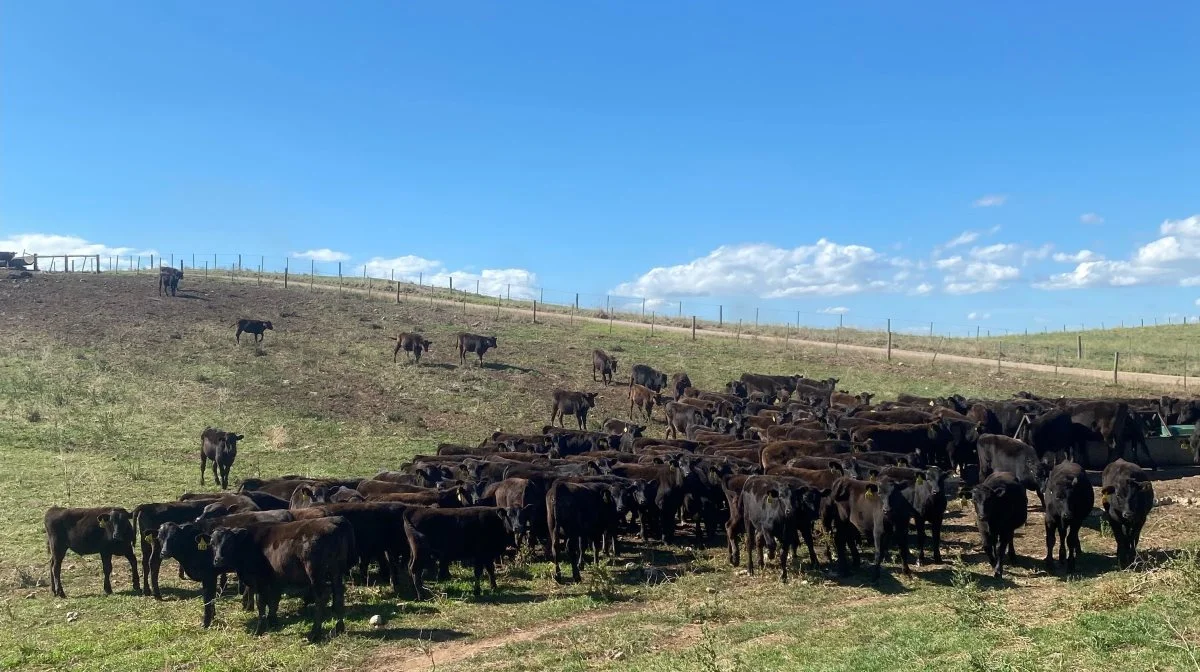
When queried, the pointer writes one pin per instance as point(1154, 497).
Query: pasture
point(105, 388)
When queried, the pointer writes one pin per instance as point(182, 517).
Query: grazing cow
point(679, 383)
point(256, 327)
point(1127, 495)
point(476, 344)
point(103, 531)
point(148, 518)
point(647, 377)
point(220, 447)
point(605, 363)
point(412, 344)
point(476, 534)
point(877, 511)
point(575, 403)
point(1069, 500)
point(168, 279)
point(644, 398)
point(315, 555)
point(1000, 510)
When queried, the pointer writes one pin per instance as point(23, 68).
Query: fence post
point(610, 323)
point(97, 263)
point(139, 265)
point(262, 262)
point(1116, 364)
point(452, 284)
point(1056, 354)
point(339, 277)
point(652, 324)
point(239, 263)
point(643, 308)
point(35, 261)
point(535, 312)
point(509, 294)
point(693, 327)
point(756, 318)
point(889, 335)
point(206, 269)
point(681, 309)
point(498, 297)
point(837, 341)
point(397, 286)
point(1079, 347)
point(476, 286)
point(739, 329)
point(999, 355)
point(285, 272)
point(720, 316)
point(150, 266)
point(931, 329)
point(312, 273)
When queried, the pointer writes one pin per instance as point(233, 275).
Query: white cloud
point(976, 277)
point(990, 201)
point(950, 262)
point(964, 238)
point(1171, 258)
point(1079, 257)
point(994, 252)
point(824, 268)
point(922, 289)
point(491, 281)
point(973, 315)
point(835, 310)
point(1190, 281)
point(1037, 254)
point(323, 254)
point(1091, 218)
point(48, 244)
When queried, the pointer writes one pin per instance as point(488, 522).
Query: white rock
point(72, 616)
point(376, 621)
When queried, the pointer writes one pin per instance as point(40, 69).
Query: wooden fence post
point(720, 316)
point(239, 263)
point(1079, 347)
point(397, 288)
point(652, 324)
point(206, 269)
point(535, 312)
point(739, 329)
point(693, 327)
point(1116, 365)
point(312, 273)
point(889, 336)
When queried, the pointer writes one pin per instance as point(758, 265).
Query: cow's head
point(516, 519)
point(117, 525)
point(228, 544)
point(490, 341)
point(591, 399)
point(426, 345)
point(268, 325)
point(178, 541)
point(231, 441)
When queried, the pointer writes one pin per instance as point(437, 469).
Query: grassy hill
point(104, 389)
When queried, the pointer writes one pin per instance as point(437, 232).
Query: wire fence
point(1120, 344)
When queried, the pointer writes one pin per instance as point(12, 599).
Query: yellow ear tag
point(770, 496)
point(201, 545)
point(1104, 500)
point(148, 537)
point(103, 524)
point(920, 480)
point(870, 493)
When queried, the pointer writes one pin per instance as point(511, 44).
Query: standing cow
point(256, 327)
point(476, 344)
point(605, 363)
point(576, 404)
point(220, 447)
point(412, 344)
point(168, 279)
point(103, 531)
point(1127, 495)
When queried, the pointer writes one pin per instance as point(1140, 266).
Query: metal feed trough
point(1169, 445)
point(14, 260)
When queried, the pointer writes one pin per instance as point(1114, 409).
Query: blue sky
point(1011, 166)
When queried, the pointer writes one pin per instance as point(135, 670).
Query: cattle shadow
point(497, 366)
point(1165, 473)
point(192, 297)
point(445, 366)
point(430, 635)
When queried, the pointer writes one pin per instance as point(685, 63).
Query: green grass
point(104, 390)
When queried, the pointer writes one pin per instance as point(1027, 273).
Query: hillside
point(105, 387)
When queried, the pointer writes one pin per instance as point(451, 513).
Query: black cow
point(148, 518)
point(1000, 510)
point(877, 511)
point(476, 344)
point(679, 416)
point(256, 327)
point(412, 344)
point(578, 514)
point(476, 534)
point(1000, 453)
point(103, 531)
point(1069, 500)
point(622, 427)
point(220, 447)
point(313, 554)
point(1127, 495)
point(927, 496)
point(574, 403)
point(1103, 420)
point(605, 363)
point(774, 509)
point(168, 279)
point(647, 376)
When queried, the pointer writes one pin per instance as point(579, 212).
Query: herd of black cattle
point(771, 459)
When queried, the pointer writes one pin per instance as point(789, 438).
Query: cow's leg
point(783, 561)
point(203, 466)
point(147, 558)
point(880, 537)
point(106, 563)
point(751, 546)
point(216, 469)
point(554, 554)
point(1051, 529)
point(238, 336)
point(475, 590)
point(208, 592)
point(491, 570)
point(593, 373)
point(1073, 545)
point(807, 533)
point(1062, 542)
point(56, 558)
point(935, 533)
point(902, 542)
point(414, 573)
point(575, 551)
point(920, 522)
point(261, 626)
point(129, 556)
point(338, 591)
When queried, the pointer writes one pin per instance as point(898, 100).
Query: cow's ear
point(1146, 485)
point(1107, 490)
point(102, 521)
point(239, 437)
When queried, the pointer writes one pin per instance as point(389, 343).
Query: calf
point(256, 327)
point(168, 279)
point(622, 427)
point(1000, 510)
point(412, 344)
point(604, 363)
point(679, 383)
point(648, 377)
point(1069, 500)
point(476, 344)
point(774, 509)
point(148, 518)
point(103, 531)
point(1127, 495)
point(878, 511)
point(476, 534)
point(644, 398)
point(680, 416)
point(575, 403)
point(578, 513)
point(1000, 453)
point(927, 496)
point(220, 447)
point(314, 554)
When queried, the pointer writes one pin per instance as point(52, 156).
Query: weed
point(601, 585)
point(967, 600)
point(34, 416)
